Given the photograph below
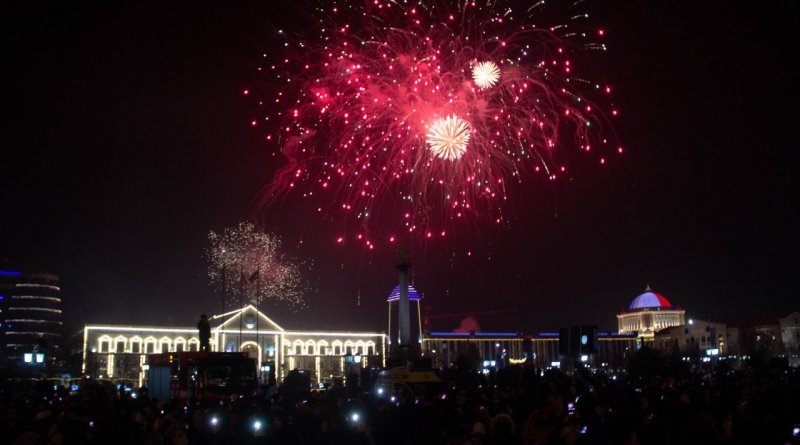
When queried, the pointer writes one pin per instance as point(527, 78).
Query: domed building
point(648, 313)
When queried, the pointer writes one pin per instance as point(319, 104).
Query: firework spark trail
point(353, 108)
point(243, 252)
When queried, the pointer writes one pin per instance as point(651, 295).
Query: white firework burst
point(448, 137)
point(248, 266)
point(485, 74)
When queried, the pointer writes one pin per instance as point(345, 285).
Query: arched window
point(164, 345)
point(337, 348)
point(104, 344)
point(119, 344)
point(150, 345)
point(298, 347)
point(311, 347)
point(194, 344)
point(179, 344)
point(322, 348)
point(287, 348)
point(136, 345)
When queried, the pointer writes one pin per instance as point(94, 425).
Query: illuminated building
point(698, 337)
point(613, 350)
point(766, 336)
point(30, 315)
point(490, 349)
point(648, 313)
point(118, 352)
point(540, 351)
point(790, 335)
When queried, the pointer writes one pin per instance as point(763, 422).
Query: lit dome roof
point(649, 299)
point(413, 295)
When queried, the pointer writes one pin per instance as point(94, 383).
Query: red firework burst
point(359, 111)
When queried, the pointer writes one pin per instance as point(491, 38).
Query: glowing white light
point(485, 74)
point(355, 417)
point(257, 425)
point(43, 286)
point(448, 137)
point(35, 297)
point(41, 309)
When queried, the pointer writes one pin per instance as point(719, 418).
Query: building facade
point(540, 351)
point(612, 350)
point(767, 336)
point(480, 349)
point(30, 317)
point(790, 335)
point(119, 352)
point(696, 338)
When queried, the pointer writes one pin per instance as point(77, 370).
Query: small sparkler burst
point(485, 74)
point(247, 266)
point(448, 137)
point(404, 120)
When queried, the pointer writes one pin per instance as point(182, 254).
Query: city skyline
point(130, 141)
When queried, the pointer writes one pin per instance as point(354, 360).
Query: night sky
point(127, 138)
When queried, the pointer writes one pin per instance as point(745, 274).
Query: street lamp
point(33, 358)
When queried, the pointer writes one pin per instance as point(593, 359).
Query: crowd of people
point(514, 405)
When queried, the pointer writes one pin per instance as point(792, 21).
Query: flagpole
point(258, 301)
point(258, 312)
point(241, 303)
point(222, 295)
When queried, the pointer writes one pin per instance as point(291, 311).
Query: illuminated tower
point(403, 315)
point(404, 351)
point(394, 300)
point(30, 314)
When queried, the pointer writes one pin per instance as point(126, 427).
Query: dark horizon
point(129, 140)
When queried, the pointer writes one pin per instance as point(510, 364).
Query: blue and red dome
point(649, 299)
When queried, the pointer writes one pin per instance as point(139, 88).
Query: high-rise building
point(30, 315)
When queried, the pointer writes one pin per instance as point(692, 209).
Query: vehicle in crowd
point(406, 382)
point(201, 375)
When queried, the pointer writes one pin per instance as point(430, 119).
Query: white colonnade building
point(118, 352)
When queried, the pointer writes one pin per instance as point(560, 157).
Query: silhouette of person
point(204, 329)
